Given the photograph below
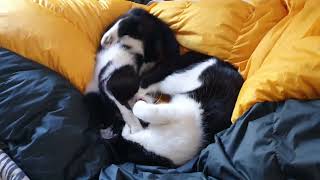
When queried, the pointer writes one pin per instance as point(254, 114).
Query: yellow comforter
point(275, 43)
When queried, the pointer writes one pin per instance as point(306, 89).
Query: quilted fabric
point(229, 29)
point(286, 63)
point(275, 43)
point(45, 129)
point(62, 35)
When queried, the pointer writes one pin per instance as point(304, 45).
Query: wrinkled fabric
point(64, 35)
point(274, 43)
point(44, 125)
point(271, 141)
point(229, 29)
point(286, 63)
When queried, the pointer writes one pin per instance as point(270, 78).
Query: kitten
point(203, 89)
point(129, 46)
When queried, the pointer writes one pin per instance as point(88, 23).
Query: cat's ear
point(106, 40)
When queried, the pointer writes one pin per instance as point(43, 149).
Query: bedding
point(54, 30)
point(45, 129)
point(44, 123)
point(47, 57)
point(274, 43)
point(9, 169)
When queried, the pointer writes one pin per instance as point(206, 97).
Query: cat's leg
point(129, 118)
point(112, 88)
point(177, 83)
point(126, 131)
point(150, 81)
point(152, 113)
point(166, 113)
point(96, 106)
point(155, 75)
point(174, 74)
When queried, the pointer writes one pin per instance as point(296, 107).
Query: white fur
point(180, 82)
point(119, 57)
point(114, 52)
point(127, 115)
point(185, 81)
point(111, 36)
point(175, 130)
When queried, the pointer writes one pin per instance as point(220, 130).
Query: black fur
point(159, 42)
point(123, 84)
point(217, 95)
point(162, 69)
point(160, 45)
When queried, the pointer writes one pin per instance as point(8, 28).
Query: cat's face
point(144, 34)
point(126, 32)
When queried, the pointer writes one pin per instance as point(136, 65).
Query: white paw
point(139, 109)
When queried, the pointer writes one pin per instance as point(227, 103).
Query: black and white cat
point(140, 57)
point(130, 46)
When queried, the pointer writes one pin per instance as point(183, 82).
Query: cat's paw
point(140, 109)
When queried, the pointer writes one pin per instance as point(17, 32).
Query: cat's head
point(144, 34)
